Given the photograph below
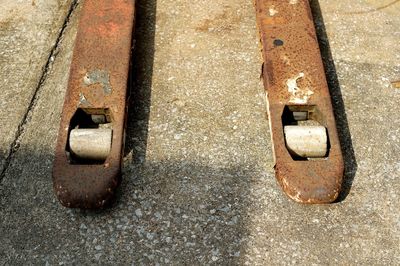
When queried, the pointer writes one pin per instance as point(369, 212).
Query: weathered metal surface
point(294, 76)
point(98, 81)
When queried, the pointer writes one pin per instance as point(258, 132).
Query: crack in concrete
point(374, 9)
point(15, 145)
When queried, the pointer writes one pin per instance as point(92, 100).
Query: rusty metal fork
point(86, 176)
point(297, 92)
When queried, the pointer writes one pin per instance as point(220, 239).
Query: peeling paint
point(298, 96)
point(98, 77)
point(272, 11)
point(270, 125)
point(82, 99)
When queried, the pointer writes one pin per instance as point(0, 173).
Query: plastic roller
point(91, 144)
point(306, 141)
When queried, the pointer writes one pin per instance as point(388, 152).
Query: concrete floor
point(198, 184)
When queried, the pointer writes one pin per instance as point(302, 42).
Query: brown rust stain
point(396, 84)
point(7, 23)
point(223, 22)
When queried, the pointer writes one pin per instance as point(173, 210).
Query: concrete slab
point(198, 184)
point(28, 33)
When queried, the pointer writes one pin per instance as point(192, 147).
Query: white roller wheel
point(91, 144)
point(306, 141)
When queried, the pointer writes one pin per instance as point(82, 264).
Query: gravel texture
point(198, 180)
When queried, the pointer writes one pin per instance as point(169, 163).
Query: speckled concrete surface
point(28, 31)
point(198, 184)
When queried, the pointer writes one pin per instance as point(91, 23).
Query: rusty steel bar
point(98, 87)
point(294, 78)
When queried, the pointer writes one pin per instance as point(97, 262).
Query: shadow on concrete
point(141, 80)
point(140, 84)
point(350, 162)
point(176, 199)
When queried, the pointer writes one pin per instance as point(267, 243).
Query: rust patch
point(294, 76)
point(273, 21)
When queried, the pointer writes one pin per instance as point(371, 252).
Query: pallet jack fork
point(89, 149)
point(308, 159)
